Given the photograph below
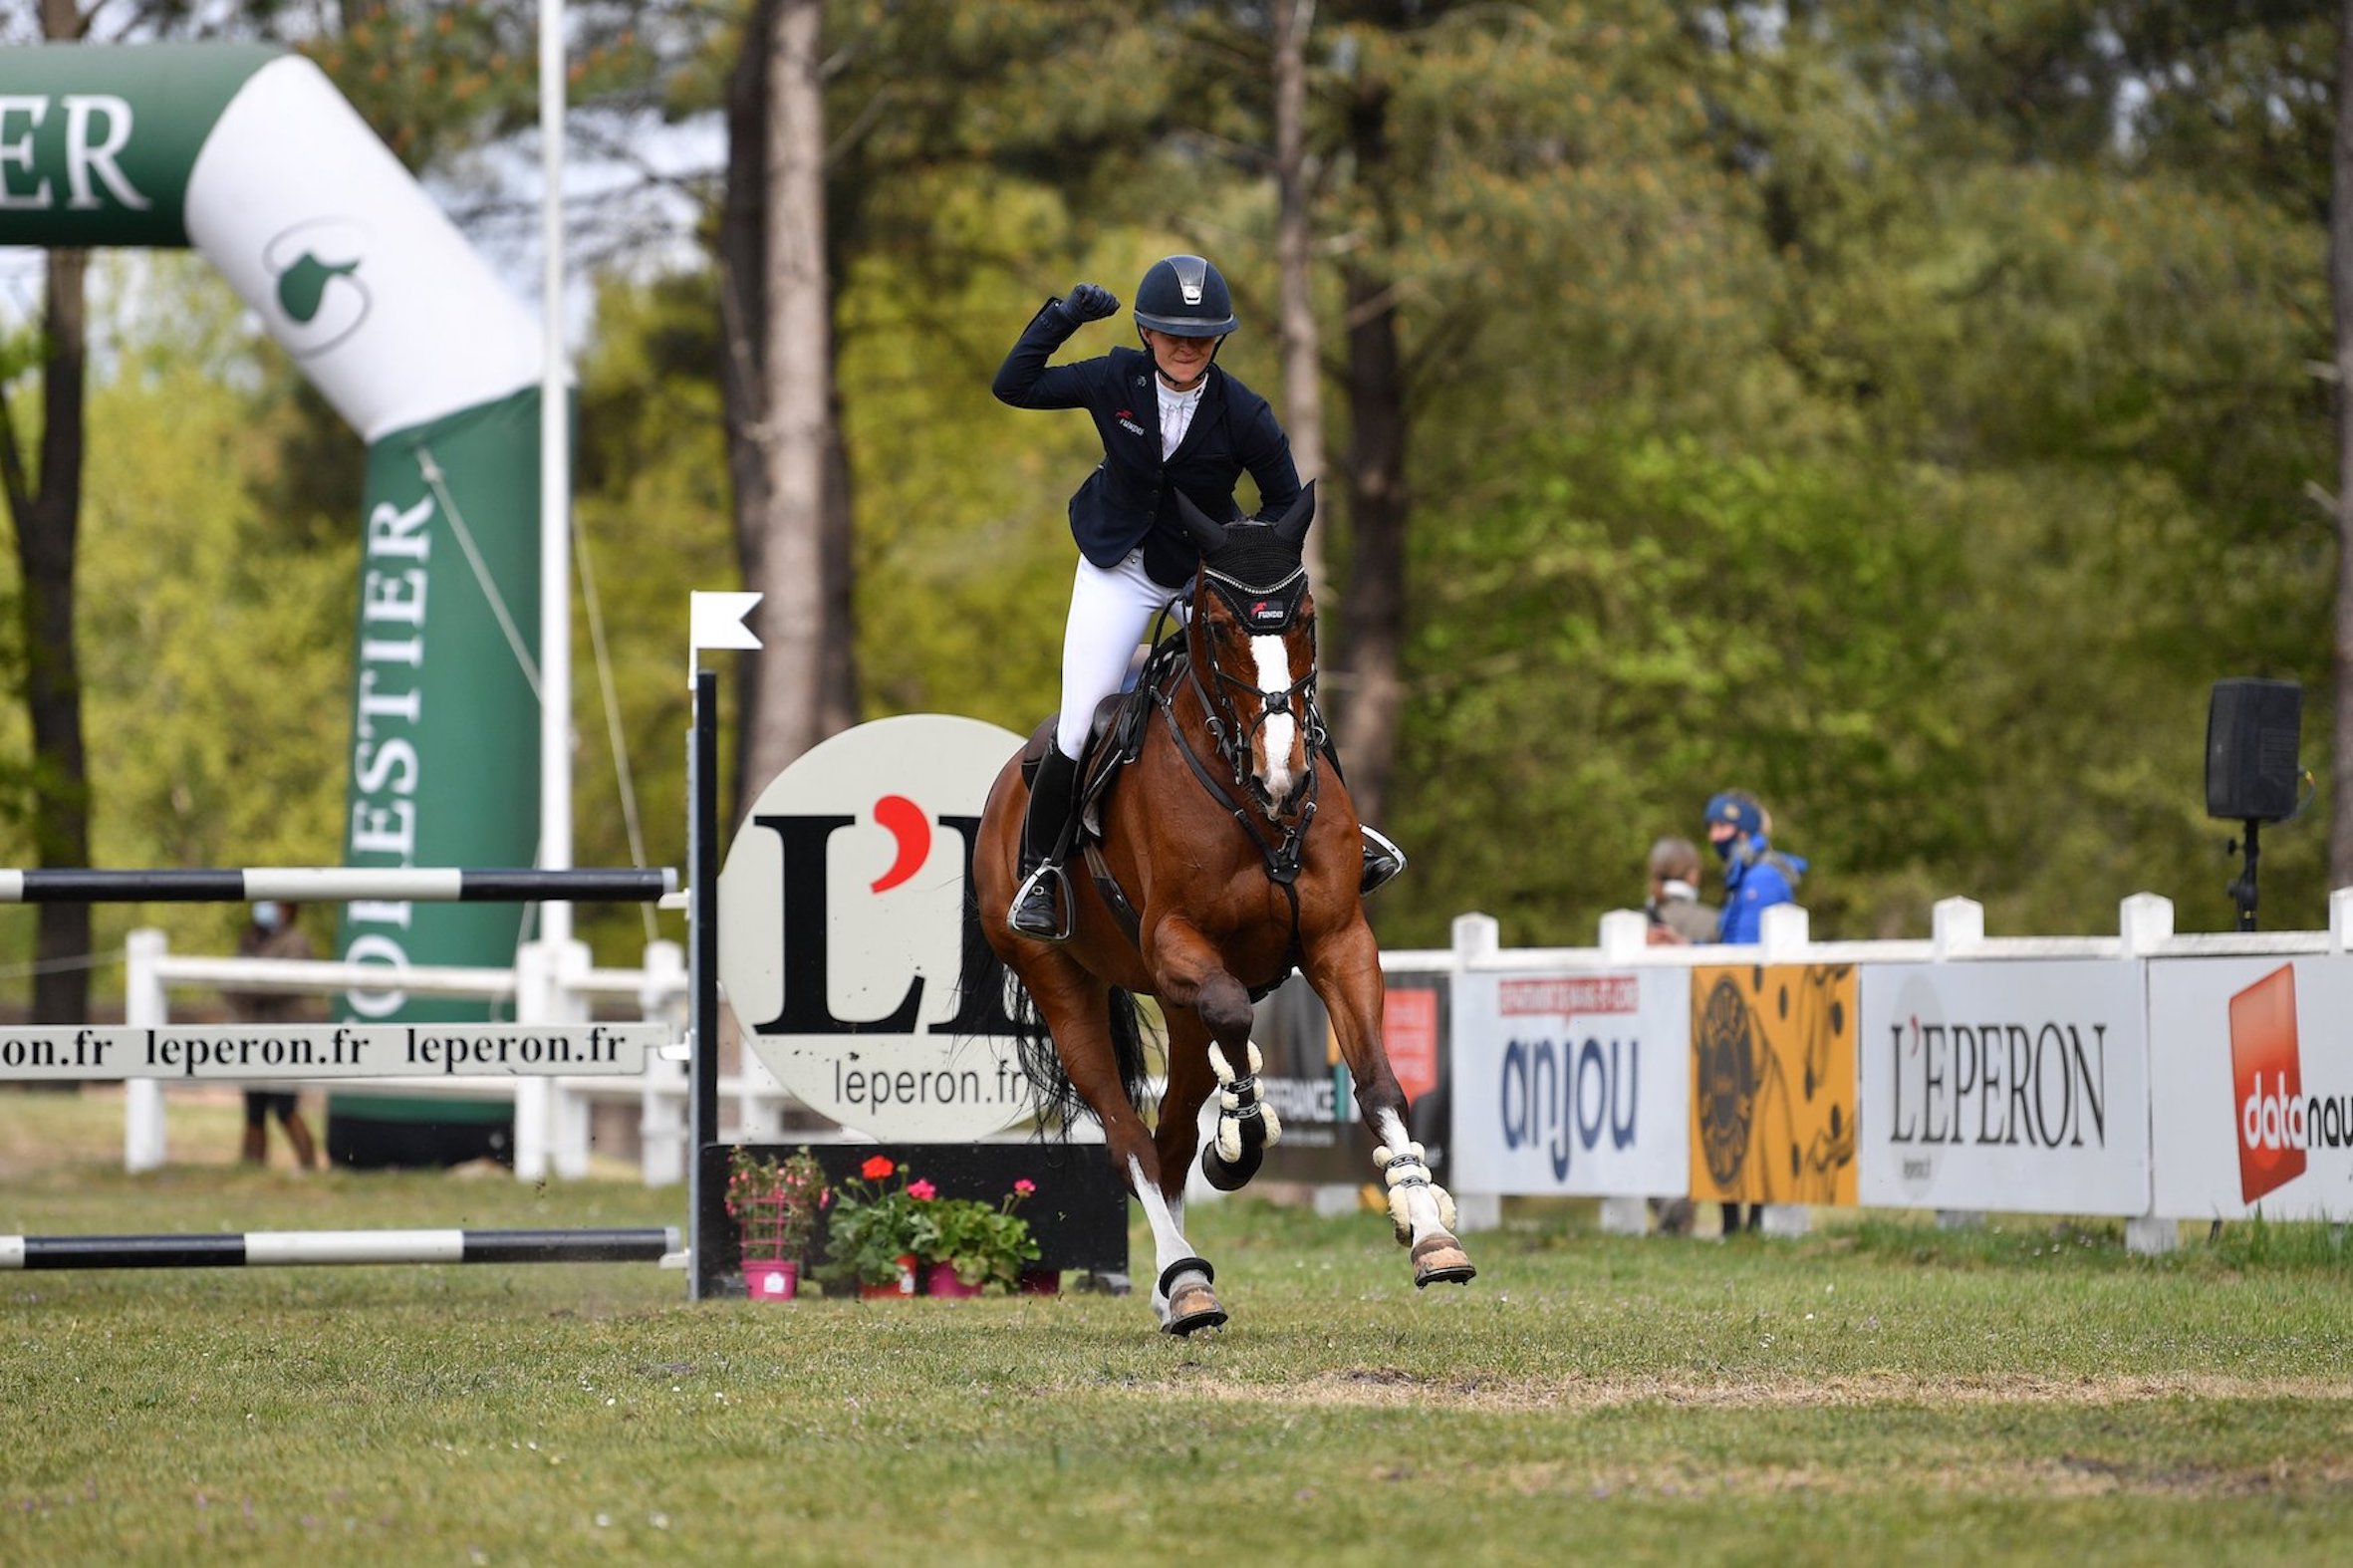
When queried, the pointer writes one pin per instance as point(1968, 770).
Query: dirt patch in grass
point(1392, 1386)
point(2065, 1477)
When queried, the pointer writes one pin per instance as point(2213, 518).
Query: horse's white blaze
point(1274, 674)
point(1421, 1201)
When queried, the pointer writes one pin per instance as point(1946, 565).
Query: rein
point(1279, 851)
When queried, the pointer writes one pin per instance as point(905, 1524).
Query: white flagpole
point(555, 487)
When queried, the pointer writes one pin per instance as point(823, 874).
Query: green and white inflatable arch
point(251, 156)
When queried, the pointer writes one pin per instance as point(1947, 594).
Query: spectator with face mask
point(1755, 874)
point(1756, 878)
point(272, 933)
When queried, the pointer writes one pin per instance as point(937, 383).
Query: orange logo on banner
point(1773, 1084)
point(1409, 1029)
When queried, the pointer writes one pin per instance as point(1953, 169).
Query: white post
point(1625, 1217)
point(2340, 919)
point(535, 1002)
point(1956, 924)
point(555, 498)
point(1475, 936)
point(569, 1112)
point(2145, 922)
point(661, 1122)
point(1625, 935)
point(145, 1005)
point(1784, 935)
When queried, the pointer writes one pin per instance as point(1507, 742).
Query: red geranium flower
point(1025, 1187)
point(875, 1168)
point(921, 1192)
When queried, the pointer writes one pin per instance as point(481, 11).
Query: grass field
point(2024, 1392)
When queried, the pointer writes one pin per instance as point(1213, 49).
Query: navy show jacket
point(1131, 497)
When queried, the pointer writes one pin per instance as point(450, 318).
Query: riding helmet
point(1185, 297)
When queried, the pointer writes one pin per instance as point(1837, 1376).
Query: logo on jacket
point(1127, 418)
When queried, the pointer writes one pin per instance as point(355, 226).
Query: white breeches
point(1110, 611)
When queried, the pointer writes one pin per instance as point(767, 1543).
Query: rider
point(1170, 420)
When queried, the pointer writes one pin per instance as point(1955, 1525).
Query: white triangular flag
point(716, 620)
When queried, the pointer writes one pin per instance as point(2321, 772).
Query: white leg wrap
point(1417, 1206)
point(1232, 1102)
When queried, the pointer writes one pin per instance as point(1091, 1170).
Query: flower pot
point(1040, 1281)
point(772, 1279)
point(905, 1285)
point(939, 1280)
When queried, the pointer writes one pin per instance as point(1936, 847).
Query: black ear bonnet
point(1259, 575)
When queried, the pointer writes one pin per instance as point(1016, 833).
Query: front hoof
point(1440, 1260)
point(1193, 1308)
point(1188, 1304)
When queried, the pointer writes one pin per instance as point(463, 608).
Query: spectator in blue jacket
point(1756, 878)
point(1757, 875)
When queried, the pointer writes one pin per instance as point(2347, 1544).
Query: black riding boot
point(1383, 859)
point(1037, 911)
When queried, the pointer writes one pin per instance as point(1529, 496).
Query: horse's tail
point(1057, 1099)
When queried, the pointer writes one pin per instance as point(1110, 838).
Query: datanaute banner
point(2251, 1087)
point(2006, 1086)
point(1572, 1082)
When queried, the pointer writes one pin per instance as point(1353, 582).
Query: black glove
point(1088, 302)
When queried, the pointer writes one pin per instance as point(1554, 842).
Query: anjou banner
point(1773, 1084)
point(842, 925)
point(2006, 1086)
point(1571, 1083)
point(2251, 1087)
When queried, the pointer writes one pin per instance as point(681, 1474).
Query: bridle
point(1272, 610)
point(1233, 738)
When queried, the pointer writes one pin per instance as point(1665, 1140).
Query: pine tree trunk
point(1303, 412)
point(1372, 617)
point(743, 315)
point(2340, 277)
point(47, 513)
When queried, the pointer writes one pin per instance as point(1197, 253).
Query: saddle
point(1115, 739)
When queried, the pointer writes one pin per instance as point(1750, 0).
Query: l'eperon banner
point(1773, 1084)
point(249, 154)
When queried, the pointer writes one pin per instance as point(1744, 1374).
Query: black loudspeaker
point(2251, 739)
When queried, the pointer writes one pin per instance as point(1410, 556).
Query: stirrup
point(1383, 860)
point(1048, 881)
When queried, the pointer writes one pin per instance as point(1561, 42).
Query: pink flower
point(1025, 1187)
point(921, 1192)
point(875, 1168)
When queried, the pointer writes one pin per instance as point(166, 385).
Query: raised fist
point(1088, 302)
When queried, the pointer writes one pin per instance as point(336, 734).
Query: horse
point(1223, 852)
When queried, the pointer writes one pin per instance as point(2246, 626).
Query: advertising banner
point(1773, 1084)
point(1572, 1084)
point(2251, 1087)
point(2006, 1086)
point(842, 923)
point(1311, 1089)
